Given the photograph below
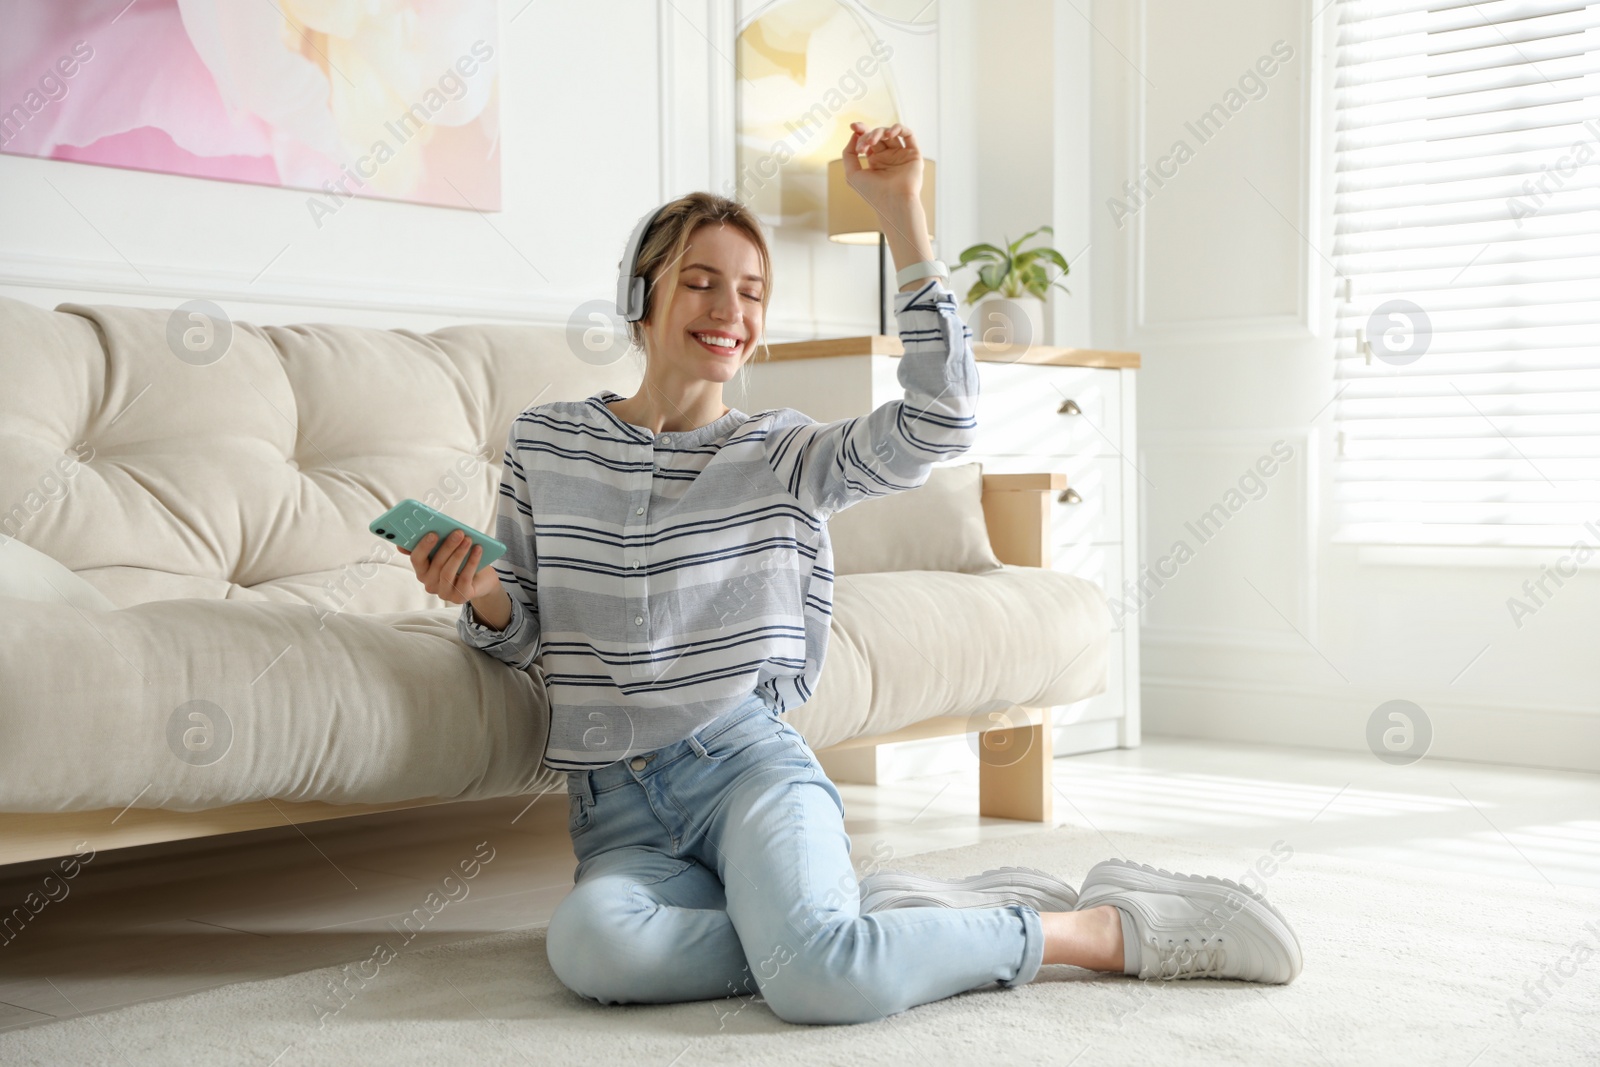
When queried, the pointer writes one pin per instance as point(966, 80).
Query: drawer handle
point(1069, 407)
point(1069, 495)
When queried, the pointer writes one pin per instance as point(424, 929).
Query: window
point(1466, 205)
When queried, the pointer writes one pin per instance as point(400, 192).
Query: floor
point(163, 920)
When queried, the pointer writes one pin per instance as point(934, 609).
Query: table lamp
point(852, 221)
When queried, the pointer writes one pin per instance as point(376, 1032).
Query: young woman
point(669, 566)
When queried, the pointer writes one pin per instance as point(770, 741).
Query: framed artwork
point(806, 69)
point(394, 101)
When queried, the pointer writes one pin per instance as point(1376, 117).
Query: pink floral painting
point(393, 99)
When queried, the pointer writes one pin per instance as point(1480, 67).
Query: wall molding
point(82, 278)
point(1551, 736)
point(696, 94)
point(1307, 505)
point(666, 77)
point(1317, 153)
point(1071, 320)
point(722, 25)
point(1303, 323)
point(1266, 642)
point(178, 284)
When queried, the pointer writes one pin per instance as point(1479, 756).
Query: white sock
point(1130, 944)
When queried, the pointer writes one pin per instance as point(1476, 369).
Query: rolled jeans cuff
point(1032, 946)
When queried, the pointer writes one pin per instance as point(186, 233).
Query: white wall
point(580, 157)
point(1030, 143)
point(606, 110)
point(1271, 632)
point(1015, 129)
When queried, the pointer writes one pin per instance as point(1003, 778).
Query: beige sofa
point(200, 635)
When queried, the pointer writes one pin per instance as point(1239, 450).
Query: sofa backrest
point(154, 471)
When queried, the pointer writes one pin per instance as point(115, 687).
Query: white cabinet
point(1080, 421)
point(1034, 416)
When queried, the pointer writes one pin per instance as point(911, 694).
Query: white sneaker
point(991, 889)
point(1192, 926)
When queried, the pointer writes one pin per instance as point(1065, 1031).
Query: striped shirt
point(660, 579)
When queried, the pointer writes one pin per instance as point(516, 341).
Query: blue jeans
point(719, 865)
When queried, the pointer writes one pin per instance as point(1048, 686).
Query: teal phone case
point(408, 521)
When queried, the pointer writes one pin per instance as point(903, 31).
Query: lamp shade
point(851, 219)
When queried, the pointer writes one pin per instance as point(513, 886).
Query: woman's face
point(718, 296)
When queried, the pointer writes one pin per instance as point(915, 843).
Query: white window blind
point(1467, 241)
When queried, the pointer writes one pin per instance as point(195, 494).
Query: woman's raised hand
point(892, 174)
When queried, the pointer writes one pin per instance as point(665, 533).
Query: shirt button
point(638, 511)
point(635, 564)
point(666, 440)
point(638, 620)
point(637, 763)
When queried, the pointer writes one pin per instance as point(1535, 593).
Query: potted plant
point(1008, 297)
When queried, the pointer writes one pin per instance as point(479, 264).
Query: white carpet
point(1402, 965)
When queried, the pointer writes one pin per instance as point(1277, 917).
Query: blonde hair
point(668, 238)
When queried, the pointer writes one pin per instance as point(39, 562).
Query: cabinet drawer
point(1020, 410)
point(1100, 563)
point(1092, 508)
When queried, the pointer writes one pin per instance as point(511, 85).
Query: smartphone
point(408, 521)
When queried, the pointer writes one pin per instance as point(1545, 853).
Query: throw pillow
point(938, 526)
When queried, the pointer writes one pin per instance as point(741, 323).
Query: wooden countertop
point(884, 345)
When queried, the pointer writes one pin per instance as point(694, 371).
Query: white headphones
point(632, 290)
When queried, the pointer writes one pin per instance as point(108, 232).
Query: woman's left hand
point(893, 171)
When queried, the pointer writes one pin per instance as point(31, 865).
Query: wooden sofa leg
point(1014, 773)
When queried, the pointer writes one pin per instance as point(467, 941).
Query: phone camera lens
point(380, 531)
point(389, 536)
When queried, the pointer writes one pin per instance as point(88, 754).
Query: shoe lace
point(1185, 959)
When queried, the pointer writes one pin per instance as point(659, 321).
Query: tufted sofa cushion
point(154, 478)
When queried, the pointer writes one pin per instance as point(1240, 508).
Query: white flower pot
point(999, 320)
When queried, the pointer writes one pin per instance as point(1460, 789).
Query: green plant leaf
point(1035, 280)
point(1024, 237)
point(1045, 253)
point(993, 275)
point(1009, 272)
point(980, 251)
